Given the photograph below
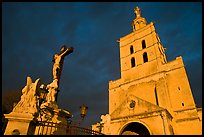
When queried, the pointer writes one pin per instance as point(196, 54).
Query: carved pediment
point(133, 105)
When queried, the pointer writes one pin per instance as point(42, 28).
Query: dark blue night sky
point(33, 32)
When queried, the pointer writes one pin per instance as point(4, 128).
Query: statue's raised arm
point(66, 51)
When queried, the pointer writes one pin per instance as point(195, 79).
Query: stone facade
point(153, 96)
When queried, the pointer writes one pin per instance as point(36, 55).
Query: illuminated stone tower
point(152, 96)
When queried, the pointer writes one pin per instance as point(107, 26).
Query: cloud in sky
point(33, 32)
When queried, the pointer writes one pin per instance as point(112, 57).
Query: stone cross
point(58, 60)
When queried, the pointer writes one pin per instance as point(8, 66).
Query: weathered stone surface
point(152, 95)
point(23, 123)
point(38, 104)
point(28, 102)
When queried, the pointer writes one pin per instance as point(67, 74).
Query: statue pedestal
point(19, 124)
point(56, 126)
point(61, 125)
point(53, 122)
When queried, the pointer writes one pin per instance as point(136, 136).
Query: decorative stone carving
point(38, 103)
point(52, 88)
point(137, 12)
point(106, 123)
point(58, 61)
point(29, 99)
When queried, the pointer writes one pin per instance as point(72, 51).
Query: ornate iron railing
point(74, 130)
point(50, 128)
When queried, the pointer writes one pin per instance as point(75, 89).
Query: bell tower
point(145, 70)
point(141, 49)
point(152, 96)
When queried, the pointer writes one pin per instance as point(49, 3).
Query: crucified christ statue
point(58, 60)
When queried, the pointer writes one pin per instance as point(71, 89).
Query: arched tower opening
point(143, 44)
point(131, 49)
point(145, 58)
point(132, 62)
point(135, 128)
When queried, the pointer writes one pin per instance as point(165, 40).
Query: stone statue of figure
point(58, 61)
point(52, 88)
point(106, 123)
point(50, 99)
point(137, 12)
point(29, 101)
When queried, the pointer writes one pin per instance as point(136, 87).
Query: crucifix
point(58, 60)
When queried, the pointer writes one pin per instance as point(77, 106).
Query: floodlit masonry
point(153, 96)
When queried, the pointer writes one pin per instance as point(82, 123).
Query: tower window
point(145, 58)
point(155, 92)
point(131, 49)
point(143, 44)
point(132, 62)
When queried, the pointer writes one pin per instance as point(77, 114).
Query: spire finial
point(137, 12)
